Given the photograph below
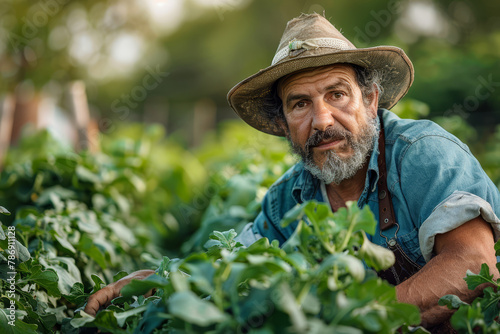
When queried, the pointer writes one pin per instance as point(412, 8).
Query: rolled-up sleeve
point(459, 208)
point(444, 186)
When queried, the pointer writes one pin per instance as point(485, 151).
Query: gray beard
point(336, 169)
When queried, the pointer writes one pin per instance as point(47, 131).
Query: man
point(437, 209)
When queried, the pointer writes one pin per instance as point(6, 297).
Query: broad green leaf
point(375, 256)
point(474, 280)
point(4, 211)
point(67, 328)
point(288, 303)
point(140, 287)
point(136, 181)
point(66, 270)
point(164, 266)
point(353, 265)
point(179, 281)
point(152, 319)
point(53, 316)
point(298, 261)
point(2, 233)
point(400, 313)
point(21, 253)
point(372, 289)
point(97, 283)
point(202, 275)
point(87, 246)
point(310, 212)
point(65, 243)
point(347, 262)
point(258, 302)
point(467, 317)
point(123, 232)
point(296, 213)
point(497, 248)
point(121, 317)
point(323, 211)
point(238, 274)
point(224, 239)
point(377, 317)
point(190, 308)
point(260, 245)
point(77, 294)
point(362, 219)
point(294, 240)
point(311, 304)
point(87, 222)
point(47, 279)
point(119, 275)
point(490, 304)
point(241, 190)
point(84, 174)
point(18, 327)
point(451, 301)
point(105, 320)
point(54, 195)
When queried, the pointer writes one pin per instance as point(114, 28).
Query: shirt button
point(392, 242)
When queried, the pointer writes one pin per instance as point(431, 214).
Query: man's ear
point(373, 105)
point(281, 121)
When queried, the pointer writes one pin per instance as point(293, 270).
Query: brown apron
point(404, 267)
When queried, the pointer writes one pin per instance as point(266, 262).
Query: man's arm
point(466, 247)
point(103, 297)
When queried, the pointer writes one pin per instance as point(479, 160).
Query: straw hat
point(309, 41)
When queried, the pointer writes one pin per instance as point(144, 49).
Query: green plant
point(315, 283)
point(482, 315)
point(83, 220)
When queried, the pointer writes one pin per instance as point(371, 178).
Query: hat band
point(308, 44)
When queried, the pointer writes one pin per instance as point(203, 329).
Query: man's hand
point(466, 247)
point(103, 297)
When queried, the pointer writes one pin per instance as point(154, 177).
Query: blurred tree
point(47, 43)
point(159, 60)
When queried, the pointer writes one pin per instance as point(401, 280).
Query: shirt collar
point(306, 186)
point(373, 171)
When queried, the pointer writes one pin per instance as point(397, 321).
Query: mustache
point(330, 134)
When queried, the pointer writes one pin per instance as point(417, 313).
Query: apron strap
point(387, 218)
point(404, 267)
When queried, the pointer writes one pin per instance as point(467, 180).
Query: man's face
point(328, 124)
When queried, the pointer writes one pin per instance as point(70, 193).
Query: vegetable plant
point(315, 283)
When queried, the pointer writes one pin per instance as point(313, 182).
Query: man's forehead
point(312, 72)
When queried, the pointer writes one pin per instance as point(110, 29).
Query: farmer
point(437, 209)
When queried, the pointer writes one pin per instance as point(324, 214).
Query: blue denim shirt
point(435, 183)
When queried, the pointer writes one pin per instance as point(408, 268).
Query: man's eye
point(300, 104)
point(338, 95)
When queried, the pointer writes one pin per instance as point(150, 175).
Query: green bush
point(82, 220)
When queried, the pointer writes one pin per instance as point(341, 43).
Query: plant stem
point(347, 236)
point(303, 293)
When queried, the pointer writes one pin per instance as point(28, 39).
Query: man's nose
point(322, 116)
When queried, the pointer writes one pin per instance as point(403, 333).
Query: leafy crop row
point(316, 283)
point(84, 220)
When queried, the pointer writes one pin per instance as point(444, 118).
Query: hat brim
point(246, 98)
